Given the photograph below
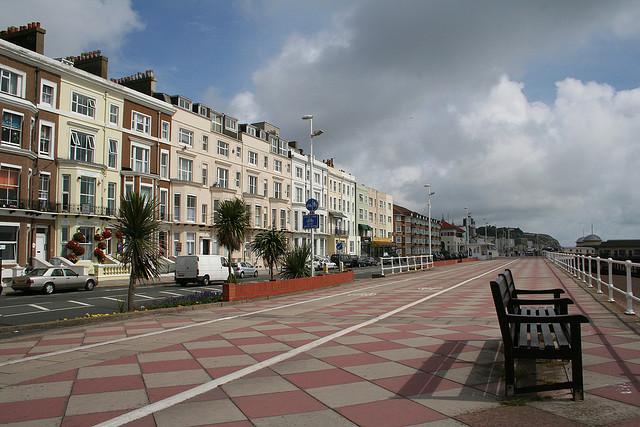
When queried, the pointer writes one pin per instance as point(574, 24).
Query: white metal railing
point(582, 268)
point(405, 263)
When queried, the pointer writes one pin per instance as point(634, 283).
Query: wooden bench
point(560, 304)
point(537, 333)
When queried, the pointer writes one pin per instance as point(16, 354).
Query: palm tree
point(138, 224)
point(270, 245)
point(232, 223)
point(296, 263)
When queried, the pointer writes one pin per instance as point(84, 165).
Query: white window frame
point(177, 206)
point(216, 123)
point(112, 211)
point(146, 162)
point(140, 122)
point(22, 80)
point(90, 108)
point(205, 174)
point(222, 181)
point(223, 148)
point(15, 225)
point(277, 190)
point(152, 196)
point(191, 210)
point(253, 189)
point(277, 165)
point(251, 131)
point(164, 168)
point(165, 131)
point(185, 174)
point(111, 114)
point(52, 126)
point(46, 82)
point(89, 149)
point(205, 143)
point(163, 201)
point(252, 155)
point(5, 110)
point(185, 134)
point(112, 154)
point(231, 124)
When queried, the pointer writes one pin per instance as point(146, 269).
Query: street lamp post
point(429, 194)
point(312, 134)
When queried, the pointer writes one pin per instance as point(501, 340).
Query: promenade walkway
point(414, 349)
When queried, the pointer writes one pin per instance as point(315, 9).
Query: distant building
point(412, 232)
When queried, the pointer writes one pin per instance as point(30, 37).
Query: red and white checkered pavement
point(436, 362)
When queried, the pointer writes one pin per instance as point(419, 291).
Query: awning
point(337, 214)
point(364, 227)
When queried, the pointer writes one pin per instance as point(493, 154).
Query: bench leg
point(510, 376)
point(576, 363)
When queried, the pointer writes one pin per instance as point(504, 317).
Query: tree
point(138, 225)
point(270, 245)
point(232, 221)
point(296, 263)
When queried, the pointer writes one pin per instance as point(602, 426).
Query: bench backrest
point(508, 275)
point(502, 302)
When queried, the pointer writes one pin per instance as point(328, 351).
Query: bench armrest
point(564, 318)
point(553, 301)
point(555, 292)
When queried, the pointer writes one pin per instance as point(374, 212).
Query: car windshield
point(37, 272)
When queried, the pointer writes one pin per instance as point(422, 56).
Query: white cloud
point(74, 26)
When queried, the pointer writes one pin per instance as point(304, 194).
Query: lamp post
point(466, 230)
point(429, 194)
point(312, 134)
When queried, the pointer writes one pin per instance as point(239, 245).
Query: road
point(20, 309)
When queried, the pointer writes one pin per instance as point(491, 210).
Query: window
point(223, 148)
point(114, 114)
point(83, 104)
point(162, 204)
point(66, 192)
point(231, 124)
point(265, 188)
point(9, 186)
point(266, 162)
point(204, 214)
point(274, 144)
point(205, 143)
point(238, 179)
point(140, 158)
point(205, 174)
point(176, 244)
point(274, 217)
point(258, 217)
point(191, 243)
point(128, 189)
point(277, 190)
point(223, 178)
point(277, 165)
point(146, 191)
point(48, 93)
point(43, 190)
point(111, 198)
point(184, 103)
point(316, 178)
point(191, 208)
point(11, 82)
point(185, 169)
point(165, 131)
point(253, 184)
point(11, 128)
point(298, 172)
point(299, 198)
point(140, 122)
point(87, 194)
point(82, 146)
point(113, 153)
point(176, 207)
point(239, 152)
point(253, 158)
point(46, 139)
point(283, 219)
point(185, 136)
point(164, 164)
point(216, 123)
point(9, 238)
point(296, 226)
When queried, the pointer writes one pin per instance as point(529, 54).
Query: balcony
point(44, 206)
point(340, 232)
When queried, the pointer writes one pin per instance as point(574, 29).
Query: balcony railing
point(51, 207)
point(340, 232)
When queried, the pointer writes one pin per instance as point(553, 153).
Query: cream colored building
point(375, 220)
point(341, 194)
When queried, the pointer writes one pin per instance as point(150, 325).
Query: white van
point(201, 269)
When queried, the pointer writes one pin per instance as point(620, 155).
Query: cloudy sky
point(527, 112)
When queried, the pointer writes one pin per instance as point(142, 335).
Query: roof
point(630, 243)
point(444, 225)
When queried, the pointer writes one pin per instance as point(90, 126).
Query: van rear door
point(187, 267)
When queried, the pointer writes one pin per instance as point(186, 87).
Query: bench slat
point(549, 343)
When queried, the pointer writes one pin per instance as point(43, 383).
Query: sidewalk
point(430, 363)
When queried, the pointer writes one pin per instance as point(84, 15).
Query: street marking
point(112, 299)
point(39, 312)
point(39, 307)
point(365, 294)
point(203, 388)
point(220, 319)
point(170, 293)
point(144, 296)
point(80, 303)
point(430, 289)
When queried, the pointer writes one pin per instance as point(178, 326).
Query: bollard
point(599, 276)
point(610, 285)
point(341, 266)
point(325, 268)
point(629, 309)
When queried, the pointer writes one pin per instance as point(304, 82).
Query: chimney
point(293, 144)
point(144, 82)
point(92, 62)
point(29, 36)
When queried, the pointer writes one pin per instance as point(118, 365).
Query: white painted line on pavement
point(112, 299)
point(80, 303)
point(144, 296)
point(170, 293)
point(39, 307)
point(203, 388)
point(220, 319)
point(40, 312)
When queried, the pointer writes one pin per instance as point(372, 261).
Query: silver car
point(48, 280)
point(242, 269)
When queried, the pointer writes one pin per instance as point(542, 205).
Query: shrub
point(296, 263)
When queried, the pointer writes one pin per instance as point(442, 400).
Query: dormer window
point(216, 123)
point(251, 131)
point(184, 103)
point(263, 134)
point(202, 111)
point(231, 124)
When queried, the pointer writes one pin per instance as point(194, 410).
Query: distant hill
point(520, 237)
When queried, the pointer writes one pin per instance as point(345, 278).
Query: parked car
point(242, 269)
point(48, 280)
point(201, 269)
point(319, 263)
point(347, 260)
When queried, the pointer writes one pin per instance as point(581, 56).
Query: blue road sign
point(312, 205)
point(339, 246)
point(310, 221)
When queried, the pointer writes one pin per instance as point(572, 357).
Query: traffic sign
point(312, 205)
point(339, 246)
point(310, 221)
